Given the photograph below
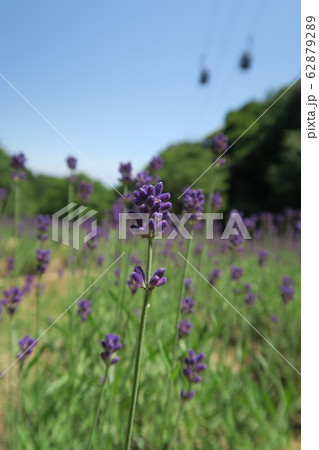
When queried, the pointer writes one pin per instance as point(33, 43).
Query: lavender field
point(148, 342)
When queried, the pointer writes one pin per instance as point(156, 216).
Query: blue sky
point(119, 79)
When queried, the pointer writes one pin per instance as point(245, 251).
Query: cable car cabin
point(204, 77)
point(245, 61)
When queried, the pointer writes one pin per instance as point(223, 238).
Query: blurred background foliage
point(262, 172)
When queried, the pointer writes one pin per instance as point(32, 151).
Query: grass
point(249, 397)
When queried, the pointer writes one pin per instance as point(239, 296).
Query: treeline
point(262, 169)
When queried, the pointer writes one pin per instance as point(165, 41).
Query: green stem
point(97, 413)
point(37, 334)
point(11, 406)
point(138, 360)
point(70, 192)
point(124, 287)
point(174, 434)
point(16, 209)
point(123, 263)
point(179, 298)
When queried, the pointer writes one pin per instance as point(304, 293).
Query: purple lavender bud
point(250, 299)
point(26, 345)
point(111, 344)
point(71, 162)
point(28, 284)
point(10, 264)
point(158, 279)
point(142, 179)
point(149, 200)
point(18, 162)
point(193, 367)
point(43, 259)
point(133, 286)
point(125, 170)
point(188, 284)
point(43, 225)
point(274, 318)
point(199, 248)
point(286, 281)
point(287, 290)
point(262, 257)
point(236, 240)
point(85, 190)
point(220, 142)
point(138, 276)
point(84, 309)
point(184, 328)
point(214, 275)
point(157, 163)
point(287, 293)
point(194, 202)
point(12, 298)
point(187, 305)
point(236, 273)
point(220, 162)
point(187, 395)
point(3, 194)
point(100, 260)
point(216, 201)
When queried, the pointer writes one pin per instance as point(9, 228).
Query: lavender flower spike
point(111, 344)
point(187, 305)
point(194, 202)
point(12, 299)
point(236, 273)
point(26, 345)
point(262, 257)
point(18, 161)
point(194, 366)
point(125, 170)
point(71, 162)
point(43, 258)
point(84, 309)
point(220, 142)
point(43, 226)
point(286, 290)
point(157, 163)
point(184, 328)
point(157, 280)
point(85, 190)
point(152, 201)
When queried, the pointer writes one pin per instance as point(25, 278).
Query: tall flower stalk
point(194, 366)
point(153, 203)
point(193, 204)
point(43, 259)
point(138, 361)
point(18, 175)
point(110, 344)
